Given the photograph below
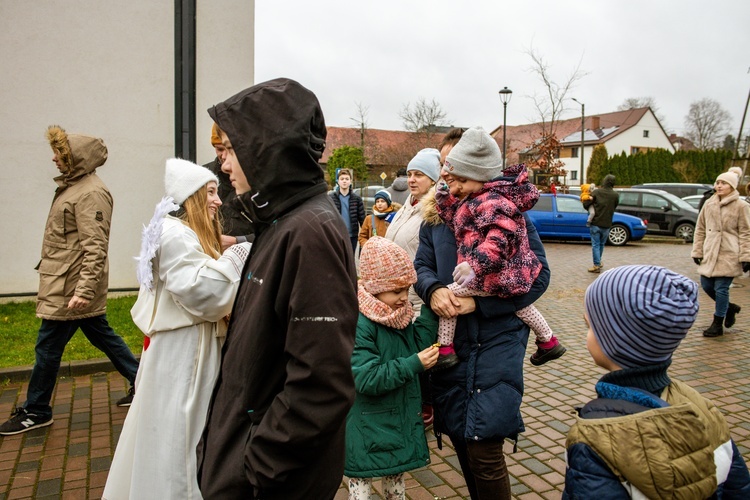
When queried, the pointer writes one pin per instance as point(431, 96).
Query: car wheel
point(618, 235)
point(685, 231)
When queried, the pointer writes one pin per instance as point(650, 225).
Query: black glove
point(746, 267)
point(697, 260)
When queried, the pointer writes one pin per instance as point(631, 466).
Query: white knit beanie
point(476, 156)
point(183, 178)
point(730, 178)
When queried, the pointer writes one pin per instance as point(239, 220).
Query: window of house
point(574, 152)
point(574, 175)
point(634, 150)
point(645, 133)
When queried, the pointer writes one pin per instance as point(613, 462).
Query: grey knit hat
point(426, 161)
point(640, 314)
point(476, 156)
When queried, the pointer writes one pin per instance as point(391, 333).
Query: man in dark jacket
point(236, 225)
point(349, 204)
point(605, 200)
point(276, 423)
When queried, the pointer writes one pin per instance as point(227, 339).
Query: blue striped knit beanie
point(640, 314)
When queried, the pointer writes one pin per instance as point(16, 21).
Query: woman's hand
point(429, 357)
point(444, 303)
point(467, 305)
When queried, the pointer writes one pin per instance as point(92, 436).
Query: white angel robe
point(191, 293)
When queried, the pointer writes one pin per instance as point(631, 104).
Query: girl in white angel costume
point(187, 290)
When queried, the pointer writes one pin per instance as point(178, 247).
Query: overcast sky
point(386, 53)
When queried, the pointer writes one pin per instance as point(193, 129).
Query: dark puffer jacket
point(481, 397)
point(356, 209)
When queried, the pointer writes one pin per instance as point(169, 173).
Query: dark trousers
point(354, 240)
point(51, 340)
point(484, 468)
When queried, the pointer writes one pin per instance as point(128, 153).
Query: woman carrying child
point(484, 211)
point(187, 289)
point(384, 430)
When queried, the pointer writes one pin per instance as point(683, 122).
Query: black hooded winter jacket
point(275, 426)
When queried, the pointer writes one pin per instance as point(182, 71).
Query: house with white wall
point(631, 131)
point(140, 75)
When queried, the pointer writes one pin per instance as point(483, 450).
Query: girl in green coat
point(384, 429)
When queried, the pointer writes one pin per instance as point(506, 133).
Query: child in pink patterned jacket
point(484, 211)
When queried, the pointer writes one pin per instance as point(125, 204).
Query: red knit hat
point(385, 266)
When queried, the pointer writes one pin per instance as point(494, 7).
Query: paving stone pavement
point(71, 458)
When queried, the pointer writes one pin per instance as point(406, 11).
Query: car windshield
point(677, 200)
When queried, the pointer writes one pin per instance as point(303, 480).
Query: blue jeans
point(50, 343)
point(718, 289)
point(599, 237)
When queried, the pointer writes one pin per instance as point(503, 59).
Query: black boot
point(715, 329)
point(732, 312)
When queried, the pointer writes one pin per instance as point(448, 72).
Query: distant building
point(631, 131)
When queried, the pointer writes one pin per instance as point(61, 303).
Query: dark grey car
point(679, 189)
point(665, 213)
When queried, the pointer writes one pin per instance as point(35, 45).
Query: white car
point(695, 199)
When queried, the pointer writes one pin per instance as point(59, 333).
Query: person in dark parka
point(276, 423)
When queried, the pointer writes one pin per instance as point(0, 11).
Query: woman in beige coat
point(721, 248)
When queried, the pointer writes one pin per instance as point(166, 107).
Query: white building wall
point(104, 69)
point(622, 143)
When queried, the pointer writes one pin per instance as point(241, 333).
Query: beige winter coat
point(76, 237)
point(722, 236)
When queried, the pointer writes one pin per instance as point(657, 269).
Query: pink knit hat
point(385, 266)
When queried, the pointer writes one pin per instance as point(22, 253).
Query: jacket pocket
point(52, 276)
point(495, 412)
point(381, 430)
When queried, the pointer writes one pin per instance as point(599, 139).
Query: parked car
point(563, 217)
point(679, 189)
point(367, 194)
point(664, 213)
point(694, 200)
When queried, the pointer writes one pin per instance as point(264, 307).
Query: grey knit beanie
point(640, 314)
point(426, 161)
point(476, 156)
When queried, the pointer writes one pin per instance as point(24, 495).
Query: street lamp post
point(583, 130)
point(505, 95)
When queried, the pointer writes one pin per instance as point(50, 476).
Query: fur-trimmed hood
point(81, 154)
point(429, 209)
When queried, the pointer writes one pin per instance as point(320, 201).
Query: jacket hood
point(400, 184)
point(430, 213)
point(609, 181)
point(82, 154)
point(278, 133)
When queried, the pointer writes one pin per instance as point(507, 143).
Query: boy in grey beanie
point(484, 211)
point(646, 435)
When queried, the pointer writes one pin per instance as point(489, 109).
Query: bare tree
point(643, 102)
point(706, 123)
point(551, 104)
point(360, 119)
point(422, 115)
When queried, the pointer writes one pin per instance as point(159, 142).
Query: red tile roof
point(382, 147)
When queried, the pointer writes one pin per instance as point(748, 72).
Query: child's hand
point(429, 356)
point(441, 191)
point(463, 274)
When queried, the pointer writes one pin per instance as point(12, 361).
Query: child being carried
point(494, 258)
